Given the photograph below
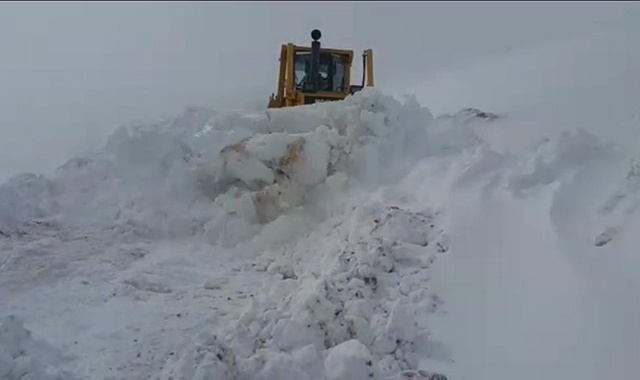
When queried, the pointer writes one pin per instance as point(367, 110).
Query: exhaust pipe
point(315, 59)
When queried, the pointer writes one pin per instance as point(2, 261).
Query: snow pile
point(263, 180)
point(24, 357)
point(365, 140)
point(136, 187)
point(353, 302)
point(209, 173)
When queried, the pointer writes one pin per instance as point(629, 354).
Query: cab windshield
point(331, 71)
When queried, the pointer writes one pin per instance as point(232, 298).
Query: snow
point(363, 239)
point(349, 360)
point(23, 355)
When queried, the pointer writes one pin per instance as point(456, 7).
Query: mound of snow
point(365, 140)
point(347, 304)
point(138, 186)
point(224, 175)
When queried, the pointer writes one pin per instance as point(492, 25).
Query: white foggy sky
point(71, 71)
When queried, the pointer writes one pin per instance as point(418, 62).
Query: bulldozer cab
point(331, 72)
point(314, 74)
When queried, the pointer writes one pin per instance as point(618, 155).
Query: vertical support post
point(283, 74)
point(369, 54)
point(290, 85)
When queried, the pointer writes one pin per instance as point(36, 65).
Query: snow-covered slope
point(542, 280)
point(363, 239)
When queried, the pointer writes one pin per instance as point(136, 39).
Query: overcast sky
point(70, 72)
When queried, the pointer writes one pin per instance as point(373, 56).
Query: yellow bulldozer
point(313, 74)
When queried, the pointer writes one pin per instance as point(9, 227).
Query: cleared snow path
point(119, 311)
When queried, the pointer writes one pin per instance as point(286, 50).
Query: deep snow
point(364, 239)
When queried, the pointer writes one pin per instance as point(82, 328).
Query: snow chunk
point(402, 226)
point(349, 360)
point(148, 283)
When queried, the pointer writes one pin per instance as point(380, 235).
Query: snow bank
point(24, 357)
